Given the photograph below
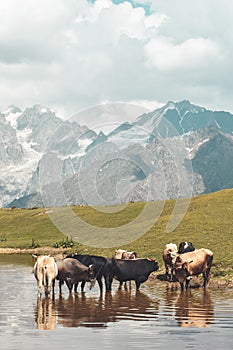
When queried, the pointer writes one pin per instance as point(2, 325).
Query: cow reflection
point(45, 315)
point(194, 310)
point(79, 310)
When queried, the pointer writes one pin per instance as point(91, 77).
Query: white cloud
point(190, 54)
point(69, 55)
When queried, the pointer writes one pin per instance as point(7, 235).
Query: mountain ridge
point(156, 151)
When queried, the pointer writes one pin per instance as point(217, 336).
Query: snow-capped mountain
point(178, 150)
point(25, 137)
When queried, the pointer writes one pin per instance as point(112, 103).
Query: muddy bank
point(36, 251)
point(196, 282)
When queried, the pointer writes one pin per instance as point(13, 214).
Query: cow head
point(155, 264)
point(185, 247)
point(182, 269)
point(173, 256)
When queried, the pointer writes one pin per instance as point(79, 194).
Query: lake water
point(154, 318)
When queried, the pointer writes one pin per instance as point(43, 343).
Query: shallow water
point(154, 318)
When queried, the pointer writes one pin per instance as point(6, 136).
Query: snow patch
point(202, 142)
point(12, 118)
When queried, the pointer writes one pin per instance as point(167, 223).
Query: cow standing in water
point(124, 270)
point(193, 264)
point(73, 271)
point(124, 254)
point(97, 261)
point(169, 256)
point(45, 271)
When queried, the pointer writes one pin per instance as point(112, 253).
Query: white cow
point(45, 271)
point(169, 257)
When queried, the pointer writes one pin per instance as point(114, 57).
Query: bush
point(65, 243)
point(3, 238)
point(34, 244)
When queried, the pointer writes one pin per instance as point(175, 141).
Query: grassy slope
point(207, 223)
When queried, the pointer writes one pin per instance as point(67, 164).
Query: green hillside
point(208, 223)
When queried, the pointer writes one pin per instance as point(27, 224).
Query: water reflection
point(195, 310)
point(45, 316)
point(191, 308)
point(88, 311)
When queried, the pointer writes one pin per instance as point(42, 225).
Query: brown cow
point(124, 254)
point(73, 271)
point(45, 271)
point(169, 256)
point(192, 264)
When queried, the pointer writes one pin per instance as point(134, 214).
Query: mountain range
point(177, 151)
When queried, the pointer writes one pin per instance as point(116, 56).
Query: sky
point(73, 55)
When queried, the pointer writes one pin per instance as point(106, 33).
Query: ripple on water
point(155, 315)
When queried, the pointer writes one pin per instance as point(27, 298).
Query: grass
point(208, 223)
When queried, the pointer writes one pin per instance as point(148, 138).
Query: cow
point(119, 253)
point(185, 247)
point(192, 264)
point(72, 271)
point(124, 254)
point(98, 262)
point(137, 270)
point(169, 256)
point(45, 271)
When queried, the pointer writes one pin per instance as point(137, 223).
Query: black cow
point(185, 247)
point(137, 270)
point(98, 262)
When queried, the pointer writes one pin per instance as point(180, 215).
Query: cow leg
point(125, 285)
point(182, 286)
point(100, 283)
point(60, 284)
point(137, 284)
point(76, 287)
point(53, 286)
point(83, 285)
point(206, 278)
point(69, 285)
point(49, 286)
point(108, 283)
point(187, 283)
point(171, 277)
point(120, 285)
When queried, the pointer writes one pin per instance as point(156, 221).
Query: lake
point(156, 317)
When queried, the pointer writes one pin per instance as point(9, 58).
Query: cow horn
point(34, 256)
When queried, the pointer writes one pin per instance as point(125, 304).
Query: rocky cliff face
point(176, 151)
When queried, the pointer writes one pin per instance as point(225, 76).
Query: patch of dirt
point(36, 251)
point(196, 282)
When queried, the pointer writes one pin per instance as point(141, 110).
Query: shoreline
point(215, 282)
point(39, 250)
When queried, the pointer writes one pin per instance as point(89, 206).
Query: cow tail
point(45, 277)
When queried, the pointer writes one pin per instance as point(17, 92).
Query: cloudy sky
point(70, 55)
